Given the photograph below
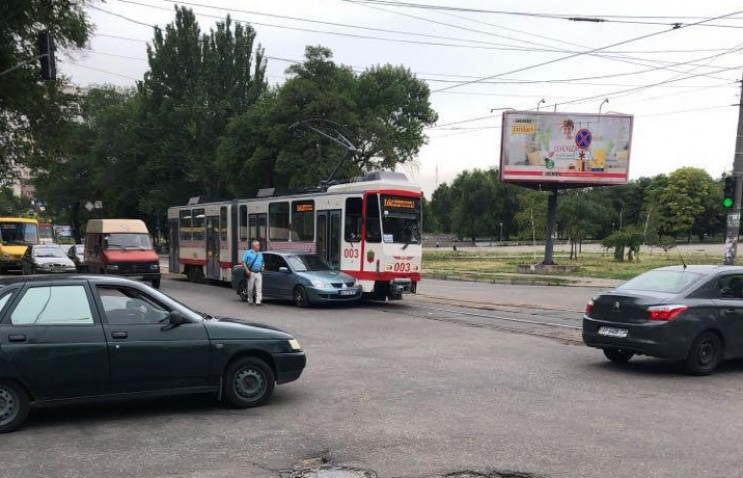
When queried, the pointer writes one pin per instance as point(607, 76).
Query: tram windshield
point(401, 219)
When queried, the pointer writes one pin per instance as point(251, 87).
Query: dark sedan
point(693, 313)
point(79, 338)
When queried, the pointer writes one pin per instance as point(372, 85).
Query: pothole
point(333, 472)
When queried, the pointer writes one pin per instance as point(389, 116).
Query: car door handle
point(119, 335)
point(17, 338)
point(730, 311)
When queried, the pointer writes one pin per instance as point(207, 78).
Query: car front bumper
point(670, 340)
point(289, 366)
point(334, 295)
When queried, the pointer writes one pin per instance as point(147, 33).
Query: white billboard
point(577, 148)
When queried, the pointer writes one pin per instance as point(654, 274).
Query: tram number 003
point(351, 253)
point(401, 267)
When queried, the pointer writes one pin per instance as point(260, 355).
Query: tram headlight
point(320, 284)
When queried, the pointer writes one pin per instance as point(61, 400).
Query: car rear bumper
point(657, 339)
point(289, 366)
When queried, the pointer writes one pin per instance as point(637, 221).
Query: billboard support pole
point(733, 219)
point(551, 220)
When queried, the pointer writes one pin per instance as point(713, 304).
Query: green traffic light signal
point(727, 203)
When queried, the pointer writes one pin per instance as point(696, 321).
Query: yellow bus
point(16, 234)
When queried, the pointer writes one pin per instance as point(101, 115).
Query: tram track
point(556, 327)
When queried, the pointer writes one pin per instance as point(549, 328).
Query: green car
point(80, 338)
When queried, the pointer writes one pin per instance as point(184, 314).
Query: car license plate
point(348, 292)
point(613, 332)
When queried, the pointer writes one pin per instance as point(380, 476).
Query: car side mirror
point(175, 318)
point(284, 269)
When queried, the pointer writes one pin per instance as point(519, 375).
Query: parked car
point(46, 259)
point(85, 338)
point(301, 277)
point(693, 313)
point(76, 253)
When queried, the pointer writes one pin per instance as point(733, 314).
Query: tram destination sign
point(566, 148)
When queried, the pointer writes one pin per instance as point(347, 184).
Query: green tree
point(196, 84)
point(689, 195)
point(442, 207)
point(382, 112)
point(475, 205)
point(32, 112)
point(579, 217)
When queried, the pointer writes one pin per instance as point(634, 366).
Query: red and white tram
point(370, 228)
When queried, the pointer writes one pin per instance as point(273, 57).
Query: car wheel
point(705, 354)
point(300, 296)
point(242, 290)
point(14, 406)
point(156, 283)
point(618, 355)
point(248, 382)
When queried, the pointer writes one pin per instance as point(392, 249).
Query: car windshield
point(129, 241)
point(21, 233)
point(307, 263)
point(669, 281)
point(49, 251)
point(401, 220)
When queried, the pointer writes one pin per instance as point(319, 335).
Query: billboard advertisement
point(565, 148)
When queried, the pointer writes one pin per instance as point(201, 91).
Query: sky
point(675, 66)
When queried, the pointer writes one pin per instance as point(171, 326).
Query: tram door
point(173, 244)
point(212, 247)
point(329, 236)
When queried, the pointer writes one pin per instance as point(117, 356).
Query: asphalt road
point(415, 389)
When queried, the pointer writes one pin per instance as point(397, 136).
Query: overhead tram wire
point(608, 55)
point(623, 42)
point(672, 21)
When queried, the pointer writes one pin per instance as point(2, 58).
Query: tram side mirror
point(284, 270)
point(352, 237)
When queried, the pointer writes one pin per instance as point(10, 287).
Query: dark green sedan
point(82, 338)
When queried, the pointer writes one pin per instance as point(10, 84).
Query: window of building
point(278, 221)
point(303, 220)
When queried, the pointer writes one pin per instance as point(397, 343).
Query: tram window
point(242, 220)
point(223, 223)
point(303, 220)
point(352, 231)
point(278, 221)
point(373, 226)
point(184, 227)
point(199, 225)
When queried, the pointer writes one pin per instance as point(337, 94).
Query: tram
point(369, 228)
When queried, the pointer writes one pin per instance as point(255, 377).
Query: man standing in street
point(253, 265)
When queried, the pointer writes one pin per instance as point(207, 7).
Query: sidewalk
point(533, 279)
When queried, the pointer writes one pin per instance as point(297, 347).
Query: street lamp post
point(500, 238)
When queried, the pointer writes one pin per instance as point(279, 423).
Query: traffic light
point(728, 196)
point(46, 54)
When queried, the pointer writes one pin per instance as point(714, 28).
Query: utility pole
point(733, 224)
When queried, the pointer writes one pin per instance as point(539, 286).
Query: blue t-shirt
point(254, 266)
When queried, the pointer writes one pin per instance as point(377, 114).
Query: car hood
point(327, 276)
point(227, 328)
point(65, 261)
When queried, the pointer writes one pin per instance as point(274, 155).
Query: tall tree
point(688, 196)
point(195, 85)
point(382, 111)
point(32, 112)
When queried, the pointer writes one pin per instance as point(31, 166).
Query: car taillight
point(665, 312)
point(589, 307)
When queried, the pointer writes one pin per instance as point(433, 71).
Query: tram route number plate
point(613, 332)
